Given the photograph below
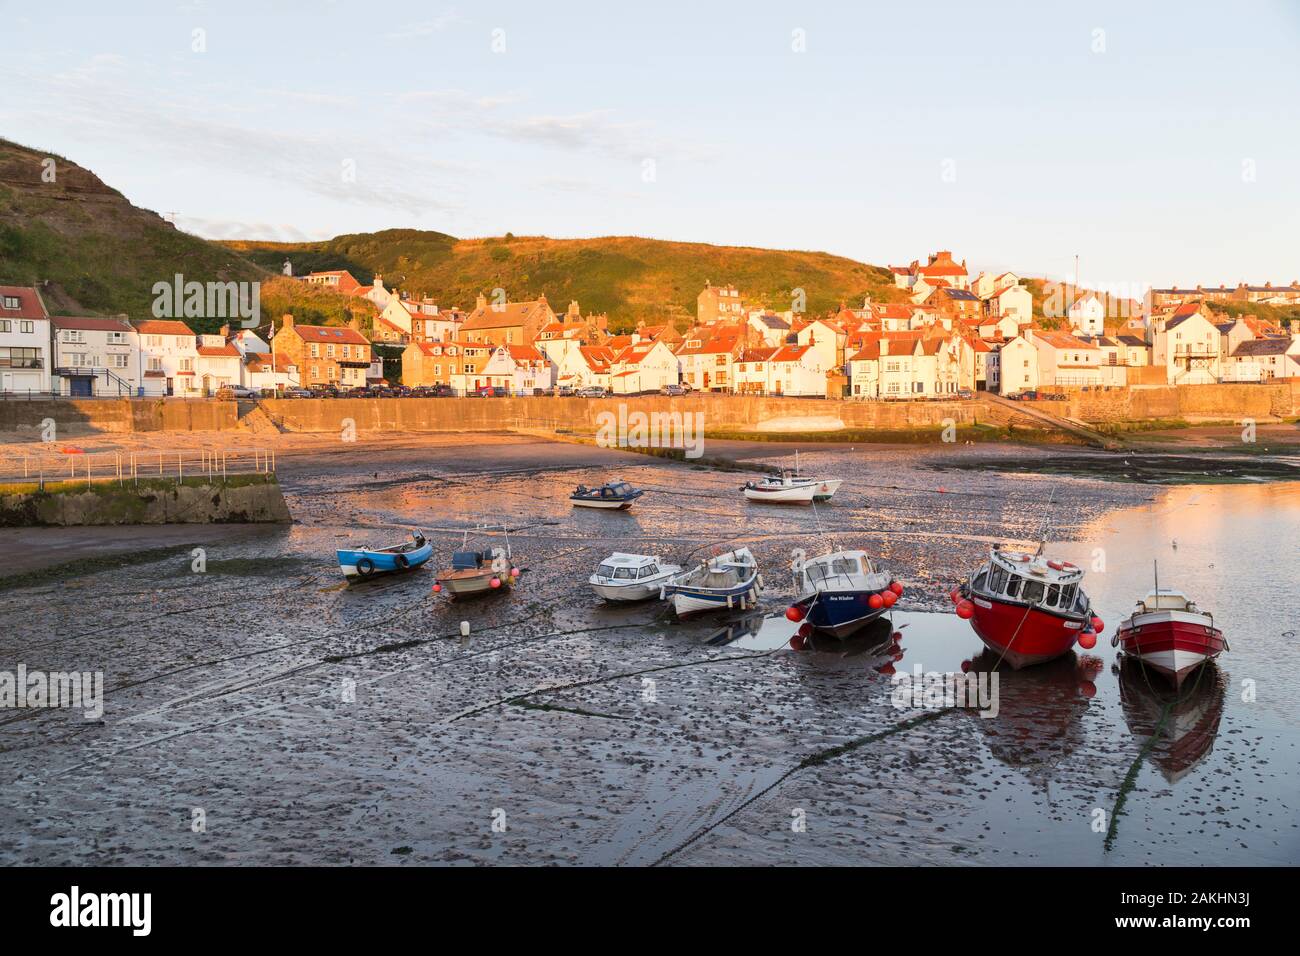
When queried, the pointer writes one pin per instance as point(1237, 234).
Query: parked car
point(297, 393)
point(673, 390)
point(237, 391)
point(490, 391)
point(592, 391)
point(965, 394)
point(564, 391)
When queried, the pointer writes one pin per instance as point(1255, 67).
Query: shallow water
point(317, 723)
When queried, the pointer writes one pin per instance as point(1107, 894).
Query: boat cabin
point(468, 560)
point(1032, 579)
point(628, 567)
point(614, 489)
point(839, 569)
point(1165, 601)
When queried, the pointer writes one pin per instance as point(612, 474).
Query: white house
point(796, 370)
point(643, 367)
point(1011, 302)
point(95, 356)
point(219, 364)
point(24, 341)
point(1260, 360)
point(1087, 315)
point(1065, 360)
point(1187, 343)
point(1018, 366)
point(519, 368)
point(169, 356)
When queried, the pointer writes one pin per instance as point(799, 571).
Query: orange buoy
point(965, 610)
point(875, 601)
point(794, 613)
point(495, 582)
point(1087, 640)
point(896, 588)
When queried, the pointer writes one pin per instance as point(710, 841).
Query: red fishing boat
point(1170, 634)
point(1027, 608)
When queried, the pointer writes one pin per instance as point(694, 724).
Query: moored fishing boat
point(473, 573)
point(826, 487)
point(841, 592)
point(723, 582)
point(631, 577)
point(1170, 634)
point(1027, 608)
point(785, 490)
point(368, 562)
point(614, 495)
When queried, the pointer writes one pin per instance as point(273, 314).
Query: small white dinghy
point(728, 581)
point(786, 490)
point(631, 577)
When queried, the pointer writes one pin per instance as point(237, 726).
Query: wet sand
point(317, 723)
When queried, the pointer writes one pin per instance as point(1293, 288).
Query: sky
point(1159, 142)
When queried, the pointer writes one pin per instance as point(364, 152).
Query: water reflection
point(1192, 723)
point(1039, 723)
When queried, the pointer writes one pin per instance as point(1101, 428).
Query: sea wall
point(73, 417)
point(251, 499)
point(720, 412)
point(1224, 402)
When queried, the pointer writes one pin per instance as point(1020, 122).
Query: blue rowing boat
point(368, 562)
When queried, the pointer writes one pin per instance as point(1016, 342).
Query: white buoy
point(464, 628)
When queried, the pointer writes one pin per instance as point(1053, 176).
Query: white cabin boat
point(631, 577)
point(786, 490)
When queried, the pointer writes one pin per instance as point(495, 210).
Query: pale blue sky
point(1132, 157)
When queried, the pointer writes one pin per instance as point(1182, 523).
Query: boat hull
point(637, 591)
point(782, 496)
point(353, 564)
point(690, 601)
point(608, 504)
point(1021, 635)
point(1173, 643)
point(826, 489)
point(840, 613)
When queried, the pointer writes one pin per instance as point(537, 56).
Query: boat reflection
point(1039, 721)
point(767, 632)
point(1192, 723)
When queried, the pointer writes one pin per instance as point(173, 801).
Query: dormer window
point(11, 302)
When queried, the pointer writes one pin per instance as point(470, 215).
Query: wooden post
point(180, 469)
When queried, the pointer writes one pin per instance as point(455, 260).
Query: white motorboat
point(615, 495)
point(785, 490)
point(631, 577)
point(728, 581)
point(826, 487)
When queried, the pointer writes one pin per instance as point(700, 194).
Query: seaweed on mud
point(85, 566)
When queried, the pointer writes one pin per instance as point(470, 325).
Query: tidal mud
point(264, 712)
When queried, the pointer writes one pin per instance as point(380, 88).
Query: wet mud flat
point(304, 721)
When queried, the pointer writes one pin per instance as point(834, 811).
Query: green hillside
point(99, 252)
point(629, 278)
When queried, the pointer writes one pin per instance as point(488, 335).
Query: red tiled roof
point(163, 327)
point(327, 333)
point(228, 351)
point(30, 305)
point(89, 323)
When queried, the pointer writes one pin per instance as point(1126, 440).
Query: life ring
point(365, 567)
point(1056, 565)
point(401, 562)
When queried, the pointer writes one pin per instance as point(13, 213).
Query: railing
point(57, 462)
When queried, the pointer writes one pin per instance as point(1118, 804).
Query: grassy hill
point(98, 252)
point(627, 277)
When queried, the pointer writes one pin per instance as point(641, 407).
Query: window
point(315, 350)
point(315, 372)
point(155, 365)
point(73, 335)
point(20, 358)
point(27, 327)
point(118, 361)
point(329, 350)
point(11, 302)
point(333, 372)
point(187, 365)
point(117, 338)
point(6, 325)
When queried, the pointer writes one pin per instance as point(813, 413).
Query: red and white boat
point(1170, 634)
point(1027, 608)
